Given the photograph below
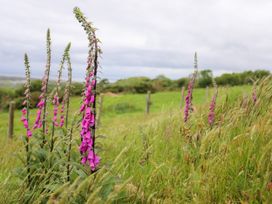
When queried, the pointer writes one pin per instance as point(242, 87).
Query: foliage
point(205, 78)
point(162, 83)
point(139, 85)
point(246, 77)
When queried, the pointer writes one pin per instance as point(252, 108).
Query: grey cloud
point(140, 37)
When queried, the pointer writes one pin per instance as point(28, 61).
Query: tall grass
point(156, 163)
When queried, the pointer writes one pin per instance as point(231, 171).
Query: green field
point(161, 164)
point(116, 107)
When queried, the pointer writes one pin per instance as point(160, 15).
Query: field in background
point(117, 106)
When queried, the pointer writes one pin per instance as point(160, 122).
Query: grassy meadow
point(156, 158)
point(208, 146)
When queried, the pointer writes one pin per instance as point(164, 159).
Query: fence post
point(148, 102)
point(182, 97)
point(100, 102)
point(11, 119)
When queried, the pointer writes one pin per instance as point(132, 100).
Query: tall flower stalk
point(26, 103)
point(41, 119)
point(55, 101)
point(189, 97)
point(25, 112)
point(88, 107)
point(67, 91)
point(66, 103)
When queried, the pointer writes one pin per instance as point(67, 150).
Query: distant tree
point(205, 78)
point(163, 83)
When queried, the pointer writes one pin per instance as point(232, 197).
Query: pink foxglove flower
point(88, 122)
point(212, 110)
point(38, 122)
point(25, 122)
point(62, 114)
point(40, 105)
point(88, 106)
point(188, 101)
point(189, 97)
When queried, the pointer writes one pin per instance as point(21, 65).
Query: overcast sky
point(139, 38)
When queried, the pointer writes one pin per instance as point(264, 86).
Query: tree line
point(162, 83)
point(135, 85)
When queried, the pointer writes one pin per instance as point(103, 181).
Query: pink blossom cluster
point(24, 118)
point(56, 109)
point(188, 99)
point(88, 124)
point(211, 115)
point(88, 97)
point(38, 121)
point(40, 106)
point(25, 122)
